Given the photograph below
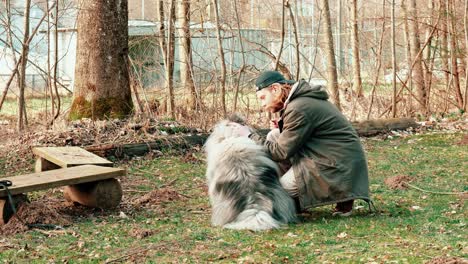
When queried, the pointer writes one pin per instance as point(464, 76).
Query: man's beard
point(275, 107)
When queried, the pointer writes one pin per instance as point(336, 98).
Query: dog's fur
point(243, 183)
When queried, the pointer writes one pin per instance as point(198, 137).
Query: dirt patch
point(159, 196)
point(398, 182)
point(464, 140)
point(446, 260)
point(35, 214)
point(141, 233)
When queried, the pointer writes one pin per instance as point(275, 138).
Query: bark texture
point(102, 86)
point(332, 74)
point(417, 74)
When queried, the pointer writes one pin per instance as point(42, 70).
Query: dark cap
point(268, 78)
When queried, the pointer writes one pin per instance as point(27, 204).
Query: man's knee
point(273, 135)
point(288, 181)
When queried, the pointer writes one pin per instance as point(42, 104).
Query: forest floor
point(418, 183)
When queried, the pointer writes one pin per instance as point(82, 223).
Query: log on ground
point(364, 129)
point(103, 194)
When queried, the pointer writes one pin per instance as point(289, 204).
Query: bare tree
point(296, 39)
point(418, 76)
point(394, 69)
point(22, 72)
point(162, 30)
point(378, 63)
point(102, 87)
point(221, 57)
point(357, 81)
point(444, 41)
point(186, 53)
point(170, 52)
point(49, 75)
point(408, 55)
point(56, 58)
point(428, 58)
point(453, 54)
point(242, 67)
point(15, 72)
point(465, 23)
point(283, 11)
point(332, 74)
point(13, 51)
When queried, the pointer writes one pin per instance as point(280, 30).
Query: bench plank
point(70, 156)
point(60, 177)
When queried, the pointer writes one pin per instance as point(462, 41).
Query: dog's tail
point(253, 219)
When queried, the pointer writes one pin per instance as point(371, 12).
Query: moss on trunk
point(102, 108)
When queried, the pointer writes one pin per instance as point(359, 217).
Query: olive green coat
point(323, 148)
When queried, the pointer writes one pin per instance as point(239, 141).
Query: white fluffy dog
point(243, 183)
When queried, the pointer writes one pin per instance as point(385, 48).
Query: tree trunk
point(102, 84)
point(22, 72)
point(56, 60)
point(465, 24)
point(418, 75)
point(170, 52)
point(394, 69)
point(428, 50)
point(332, 75)
point(409, 58)
point(49, 74)
point(296, 39)
point(186, 69)
point(242, 68)
point(378, 64)
point(278, 58)
point(221, 57)
point(453, 54)
point(444, 42)
point(162, 30)
point(357, 82)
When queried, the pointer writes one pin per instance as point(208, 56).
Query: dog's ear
point(237, 118)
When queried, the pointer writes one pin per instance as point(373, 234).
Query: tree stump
point(6, 212)
point(101, 194)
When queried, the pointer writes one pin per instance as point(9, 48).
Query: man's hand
point(240, 130)
point(273, 124)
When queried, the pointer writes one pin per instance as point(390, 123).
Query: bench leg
point(45, 165)
point(101, 194)
point(6, 212)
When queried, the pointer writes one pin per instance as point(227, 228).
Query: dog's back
point(244, 188)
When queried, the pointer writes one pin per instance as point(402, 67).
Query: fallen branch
point(136, 252)
point(183, 143)
point(434, 192)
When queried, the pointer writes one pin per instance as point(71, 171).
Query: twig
point(199, 212)
point(135, 191)
point(138, 251)
point(434, 192)
point(145, 171)
point(167, 184)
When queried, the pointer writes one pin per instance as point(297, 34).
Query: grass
point(34, 105)
point(412, 226)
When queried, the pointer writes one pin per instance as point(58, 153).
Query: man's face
point(267, 97)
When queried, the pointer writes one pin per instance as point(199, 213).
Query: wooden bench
point(49, 158)
point(89, 179)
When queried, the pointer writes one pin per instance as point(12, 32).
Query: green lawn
point(33, 105)
point(411, 227)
